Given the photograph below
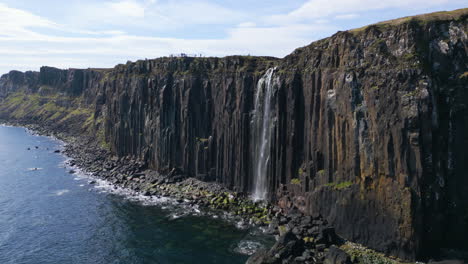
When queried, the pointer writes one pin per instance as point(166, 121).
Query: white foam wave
point(103, 186)
point(34, 169)
point(248, 247)
point(175, 209)
point(242, 225)
point(176, 216)
point(61, 192)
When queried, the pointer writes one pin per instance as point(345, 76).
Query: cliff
point(367, 127)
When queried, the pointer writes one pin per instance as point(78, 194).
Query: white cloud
point(247, 25)
point(108, 47)
point(86, 15)
point(153, 15)
point(127, 8)
point(16, 22)
point(197, 12)
point(277, 41)
point(108, 51)
point(19, 18)
point(28, 41)
point(314, 9)
point(346, 16)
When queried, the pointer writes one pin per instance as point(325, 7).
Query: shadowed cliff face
point(193, 114)
point(369, 126)
point(370, 119)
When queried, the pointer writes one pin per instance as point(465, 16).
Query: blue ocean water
point(48, 215)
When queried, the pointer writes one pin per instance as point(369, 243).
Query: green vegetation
point(377, 43)
point(411, 94)
point(300, 171)
point(339, 186)
point(282, 229)
point(202, 139)
point(42, 107)
point(19, 105)
point(464, 75)
point(321, 172)
point(409, 56)
point(48, 107)
point(100, 134)
point(362, 255)
point(78, 112)
point(46, 90)
point(56, 110)
point(296, 181)
point(420, 19)
point(88, 124)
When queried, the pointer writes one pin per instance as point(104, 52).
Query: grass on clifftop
point(424, 18)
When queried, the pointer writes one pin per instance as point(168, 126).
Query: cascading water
point(262, 130)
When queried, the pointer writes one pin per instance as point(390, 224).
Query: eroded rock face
point(378, 121)
point(16, 80)
point(189, 113)
point(370, 127)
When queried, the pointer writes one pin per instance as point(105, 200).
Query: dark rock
point(306, 220)
point(314, 231)
point(327, 236)
point(337, 256)
point(287, 247)
point(320, 247)
point(296, 231)
point(283, 220)
point(261, 257)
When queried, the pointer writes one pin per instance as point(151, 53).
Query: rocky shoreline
point(299, 238)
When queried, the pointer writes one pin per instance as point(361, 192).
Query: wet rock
point(261, 257)
point(320, 247)
point(288, 247)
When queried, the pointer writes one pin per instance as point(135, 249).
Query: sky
point(85, 33)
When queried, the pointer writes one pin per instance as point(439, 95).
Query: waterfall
point(262, 130)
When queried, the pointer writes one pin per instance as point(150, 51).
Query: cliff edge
point(368, 127)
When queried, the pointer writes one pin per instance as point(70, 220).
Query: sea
point(53, 213)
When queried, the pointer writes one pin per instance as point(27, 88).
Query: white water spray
point(262, 130)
